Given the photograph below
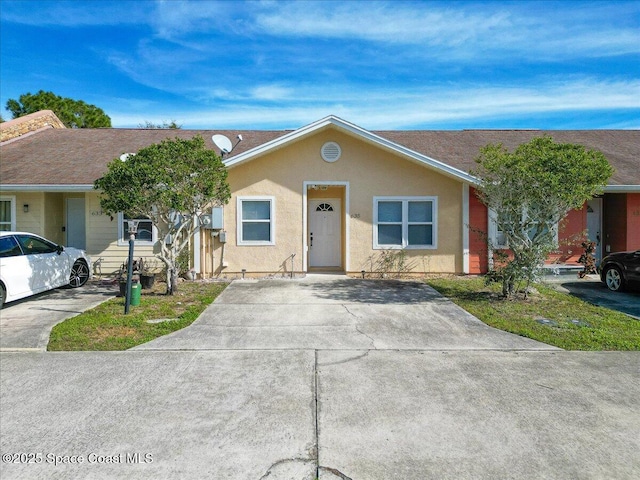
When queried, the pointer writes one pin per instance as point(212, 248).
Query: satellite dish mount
point(224, 144)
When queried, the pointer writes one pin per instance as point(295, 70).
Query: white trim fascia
point(305, 208)
point(465, 228)
point(622, 189)
point(46, 188)
point(357, 131)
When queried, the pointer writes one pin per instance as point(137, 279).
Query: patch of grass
point(106, 327)
point(599, 328)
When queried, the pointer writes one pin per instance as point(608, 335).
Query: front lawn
point(548, 316)
point(106, 327)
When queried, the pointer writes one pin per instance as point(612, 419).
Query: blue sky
point(381, 65)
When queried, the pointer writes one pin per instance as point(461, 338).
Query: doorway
point(76, 231)
point(594, 225)
point(325, 232)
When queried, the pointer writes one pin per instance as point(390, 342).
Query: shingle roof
point(79, 156)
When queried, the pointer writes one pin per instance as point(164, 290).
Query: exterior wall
point(633, 221)
point(615, 222)
point(478, 231)
point(32, 221)
point(102, 238)
point(54, 217)
point(571, 234)
point(370, 172)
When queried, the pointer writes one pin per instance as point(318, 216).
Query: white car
point(30, 264)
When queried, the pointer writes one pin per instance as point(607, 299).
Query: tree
point(170, 183)
point(531, 190)
point(164, 125)
point(73, 113)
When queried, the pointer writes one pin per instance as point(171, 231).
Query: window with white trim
point(256, 221)
point(405, 222)
point(146, 234)
point(499, 239)
point(7, 214)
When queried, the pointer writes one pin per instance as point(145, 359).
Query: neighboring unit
point(327, 196)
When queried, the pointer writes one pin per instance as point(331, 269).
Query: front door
point(325, 239)
point(594, 225)
point(76, 223)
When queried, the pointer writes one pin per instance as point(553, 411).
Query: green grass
point(107, 328)
point(602, 329)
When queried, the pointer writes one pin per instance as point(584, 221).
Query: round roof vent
point(330, 152)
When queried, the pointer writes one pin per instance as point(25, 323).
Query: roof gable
point(349, 128)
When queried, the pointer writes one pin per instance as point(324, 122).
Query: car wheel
point(613, 279)
point(3, 296)
point(79, 274)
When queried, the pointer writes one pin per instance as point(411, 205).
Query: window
point(405, 222)
point(32, 245)
point(499, 239)
point(9, 247)
point(146, 234)
point(7, 214)
point(256, 224)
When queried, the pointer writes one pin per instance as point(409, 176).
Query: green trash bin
point(136, 290)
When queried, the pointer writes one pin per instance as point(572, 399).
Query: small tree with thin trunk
point(171, 183)
point(531, 190)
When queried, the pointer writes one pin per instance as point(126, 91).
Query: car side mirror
point(59, 249)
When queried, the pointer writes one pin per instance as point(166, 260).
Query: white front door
point(76, 223)
point(325, 239)
point(594, 225)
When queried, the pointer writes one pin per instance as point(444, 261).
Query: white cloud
point(425, 108)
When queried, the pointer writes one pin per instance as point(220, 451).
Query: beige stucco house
point(327, 196)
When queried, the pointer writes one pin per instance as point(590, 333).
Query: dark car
point(621, 270)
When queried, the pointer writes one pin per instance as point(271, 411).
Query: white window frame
point(494, 232)
point(12, 200)
point(124, 243)
point(405, 223)
point(272, 220)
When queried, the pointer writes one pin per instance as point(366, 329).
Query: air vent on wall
point(330, 152)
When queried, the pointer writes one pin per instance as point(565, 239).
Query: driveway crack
point(357, 327)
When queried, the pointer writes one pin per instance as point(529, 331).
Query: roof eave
point(622, 189)
point(46, 187)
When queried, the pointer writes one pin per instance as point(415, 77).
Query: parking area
point(26, 324)
point(592, 290)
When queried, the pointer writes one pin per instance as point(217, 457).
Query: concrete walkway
point(328, 379)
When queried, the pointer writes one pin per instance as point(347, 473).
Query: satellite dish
point(223, 143)
point(125, 156)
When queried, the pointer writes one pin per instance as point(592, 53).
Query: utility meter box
point(214, 221)
point(217, 218)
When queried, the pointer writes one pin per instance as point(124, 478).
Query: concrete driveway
point(325, 313)
point(308, 383)
point(592, 290)
point(26, 324)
